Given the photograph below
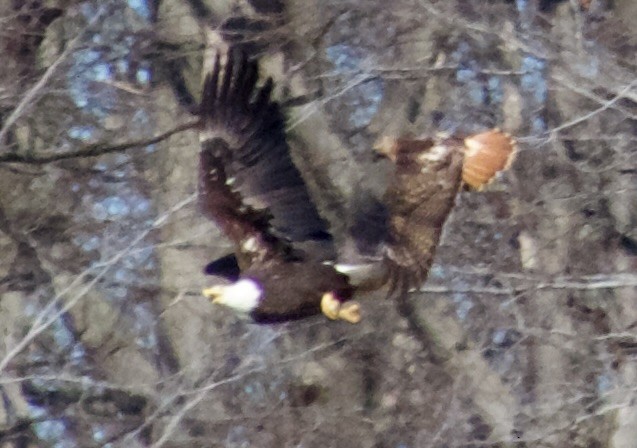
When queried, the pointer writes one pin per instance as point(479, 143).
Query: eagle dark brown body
point(311, 280)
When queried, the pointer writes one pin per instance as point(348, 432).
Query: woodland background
point(523, 336)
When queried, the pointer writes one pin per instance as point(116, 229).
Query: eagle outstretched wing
point(248, 182)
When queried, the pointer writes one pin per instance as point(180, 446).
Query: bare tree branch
point(97, 149)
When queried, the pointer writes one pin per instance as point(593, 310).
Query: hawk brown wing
point(420, 197)
point(428, 175)
point(248, 182)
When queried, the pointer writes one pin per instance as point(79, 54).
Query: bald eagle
point(285, 265)
point(252, 190)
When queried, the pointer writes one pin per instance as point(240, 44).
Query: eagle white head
point(242, 296)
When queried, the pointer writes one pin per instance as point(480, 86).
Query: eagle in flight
point(285, 265)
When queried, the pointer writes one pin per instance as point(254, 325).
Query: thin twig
point(621, 94)
point(41, 324)
point(27, 100)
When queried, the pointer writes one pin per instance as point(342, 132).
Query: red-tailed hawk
point(428, 175)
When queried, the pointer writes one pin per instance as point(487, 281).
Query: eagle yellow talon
point(350, 312)
point(335, 310)
point(330, 305)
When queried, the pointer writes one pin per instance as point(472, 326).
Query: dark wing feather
point(420, 198)
point(226, 267)
point(248, 183)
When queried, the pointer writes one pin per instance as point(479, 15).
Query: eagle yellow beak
point(214, 293)
point(242, 296)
